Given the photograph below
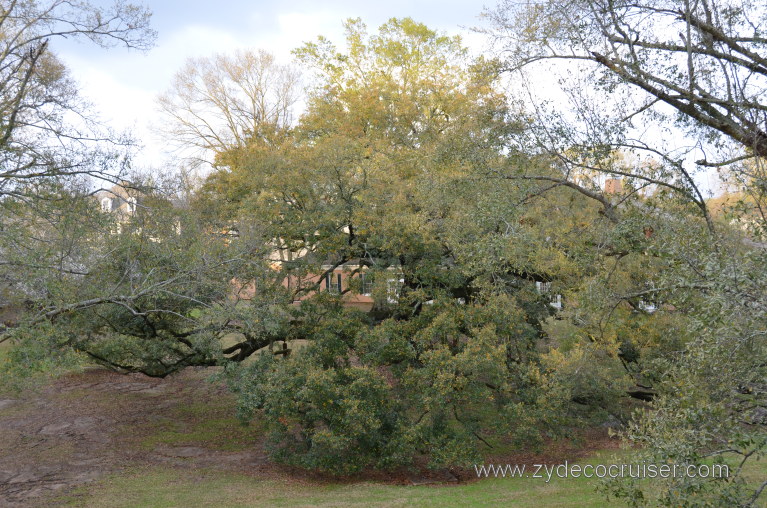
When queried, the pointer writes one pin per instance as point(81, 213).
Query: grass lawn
point(210, 424)
point(4, 348)
point(156, 487)
point(168, 487)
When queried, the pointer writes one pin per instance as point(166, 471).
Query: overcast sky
point(123, 84)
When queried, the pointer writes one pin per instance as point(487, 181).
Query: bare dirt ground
point(85, 426)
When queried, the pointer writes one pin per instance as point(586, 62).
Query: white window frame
point(331, 286)
point(393, 288)
point(366, 284)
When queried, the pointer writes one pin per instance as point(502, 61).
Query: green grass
point(164, 487)
point(4, 348)
point(211, 425)
point(157, 487)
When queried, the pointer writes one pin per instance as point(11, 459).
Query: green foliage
point(360, 396)
point(34, 355)
point(150, 292)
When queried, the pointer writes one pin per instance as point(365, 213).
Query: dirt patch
point(87, 425)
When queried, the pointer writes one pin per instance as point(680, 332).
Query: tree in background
point(219, 104)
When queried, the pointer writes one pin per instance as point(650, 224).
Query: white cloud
point(118, 105)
